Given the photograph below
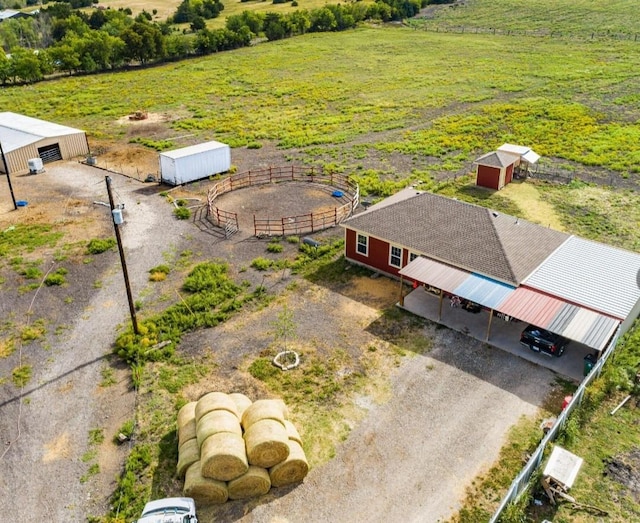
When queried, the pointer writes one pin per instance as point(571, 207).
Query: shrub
point(262, 264)
point(274, 247)
point(182, 213)
point(159, 273)
point(21, 375)
point(32, 273)
point(97, 245)
point(54, 279)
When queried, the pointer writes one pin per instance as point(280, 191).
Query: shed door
point(50, 153)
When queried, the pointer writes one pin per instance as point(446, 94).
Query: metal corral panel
point(435, 274)
point(485, 291)
point(595, 275)
point(195, 162)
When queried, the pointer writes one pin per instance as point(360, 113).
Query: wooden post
point(489, 326)
point(132, 309)
point(440, 305)
point(401, 293)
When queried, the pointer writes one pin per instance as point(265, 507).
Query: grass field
point(580, 17)
point(442, 98)
point(166, 8)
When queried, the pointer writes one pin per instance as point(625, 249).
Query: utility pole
point(132, 309)
point(6, 169)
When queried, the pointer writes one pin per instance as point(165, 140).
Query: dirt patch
point(625, 469)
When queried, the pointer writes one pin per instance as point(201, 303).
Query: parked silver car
point(169, 510)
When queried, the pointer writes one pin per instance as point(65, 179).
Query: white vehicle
point(169, 510)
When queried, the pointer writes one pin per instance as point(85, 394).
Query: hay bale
point(255, 482)
point(187, 431)
point(242, 402)
point(291, 470)
point(204, 491)
point(188, 454)
point(267, 443)
point(217, 421)
point(292, 432)
point(214, 401)
point(186, 413)
point(264, 409)
point(223, 456)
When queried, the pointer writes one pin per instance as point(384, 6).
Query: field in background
point(561, 16)
point(166, 8)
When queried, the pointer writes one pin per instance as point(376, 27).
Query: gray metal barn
point(23, 138)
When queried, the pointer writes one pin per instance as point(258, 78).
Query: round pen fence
point(346, 193)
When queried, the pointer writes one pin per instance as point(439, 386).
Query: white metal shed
point(195, 162)
point(24, 138)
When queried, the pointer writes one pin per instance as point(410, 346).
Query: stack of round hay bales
point(232, 448)
point(204, 490)
point(218, 431)
point(188, 448)
point(295, 467)
point(265, 433)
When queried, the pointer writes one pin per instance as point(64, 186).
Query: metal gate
point(50, 153)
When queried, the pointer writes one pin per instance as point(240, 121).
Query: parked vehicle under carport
point(541, 340)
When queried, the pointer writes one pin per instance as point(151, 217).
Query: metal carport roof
point(543, 310)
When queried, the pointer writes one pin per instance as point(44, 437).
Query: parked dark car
point(540, 340)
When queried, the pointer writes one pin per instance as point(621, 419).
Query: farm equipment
point(139, 115)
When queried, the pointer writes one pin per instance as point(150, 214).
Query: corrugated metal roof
point(531, 157)
point(485, 291)
point(595, 275)
point(513, 148)
point(17, 130)
point(571, 321)
point(194, 149)
point(435, 274)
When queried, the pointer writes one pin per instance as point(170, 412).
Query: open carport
point(505, 335)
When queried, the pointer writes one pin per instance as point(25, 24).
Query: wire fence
point(521, 483)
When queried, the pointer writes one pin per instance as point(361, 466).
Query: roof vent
point(495, 214)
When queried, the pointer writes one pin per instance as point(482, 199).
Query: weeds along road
point(46, 470)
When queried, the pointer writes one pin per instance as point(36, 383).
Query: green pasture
point(440, 100)
point(578, 17)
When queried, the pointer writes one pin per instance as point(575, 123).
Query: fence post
point(270, 174)
point(255, 227)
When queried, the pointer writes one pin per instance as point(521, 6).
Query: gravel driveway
point(410, 459)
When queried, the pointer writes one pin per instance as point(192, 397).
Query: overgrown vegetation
point(212, 297)
point(100, 245)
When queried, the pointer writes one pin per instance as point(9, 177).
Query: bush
point(274, 247)
point(98, 246)
point(182, 213)
point(54, 279)
point(261, 264)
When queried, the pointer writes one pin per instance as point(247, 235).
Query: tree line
point(61, 38)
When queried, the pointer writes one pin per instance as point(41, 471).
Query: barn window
point(413, 256)
point(363, 245)
point(395, 257)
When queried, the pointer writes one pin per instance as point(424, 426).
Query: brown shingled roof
point(467, 236)
point(496, 159)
